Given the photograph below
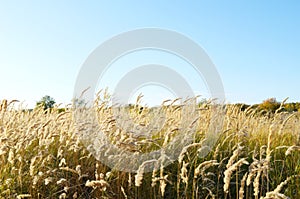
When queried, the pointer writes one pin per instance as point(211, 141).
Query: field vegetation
point(256, 156)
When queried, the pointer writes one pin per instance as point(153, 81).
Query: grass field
point(256, 156)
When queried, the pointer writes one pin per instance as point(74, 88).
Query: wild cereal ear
point(3, 105)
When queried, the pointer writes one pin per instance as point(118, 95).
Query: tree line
point(270, 105)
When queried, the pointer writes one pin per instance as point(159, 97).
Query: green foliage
point(270, 106)
point(291, 107)
point(46, 102)
point(61, 110)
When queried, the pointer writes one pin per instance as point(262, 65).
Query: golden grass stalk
point(241, 191)
point(276, 192)
point(97, 183)
point(21, 196)
point(234, 156)
point(184, 173)
point(203, 166)
point(140, 172)
point(291, 149)
point(228, 172)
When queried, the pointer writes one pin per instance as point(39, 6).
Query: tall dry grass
point(256, 156)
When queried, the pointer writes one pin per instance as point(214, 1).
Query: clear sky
point(255, 45)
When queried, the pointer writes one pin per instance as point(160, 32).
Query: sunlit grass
point(256, 156)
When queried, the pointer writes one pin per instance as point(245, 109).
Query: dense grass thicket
point(256, 156)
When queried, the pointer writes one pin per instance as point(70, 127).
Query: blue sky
point(255, 45)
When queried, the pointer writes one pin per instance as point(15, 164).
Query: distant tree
point(46, 102)
point(78, 102)
point(297, 106)
point(242, 106)
point(291, 107)
point(269, 105)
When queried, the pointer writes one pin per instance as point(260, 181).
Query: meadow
point(256, 156)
